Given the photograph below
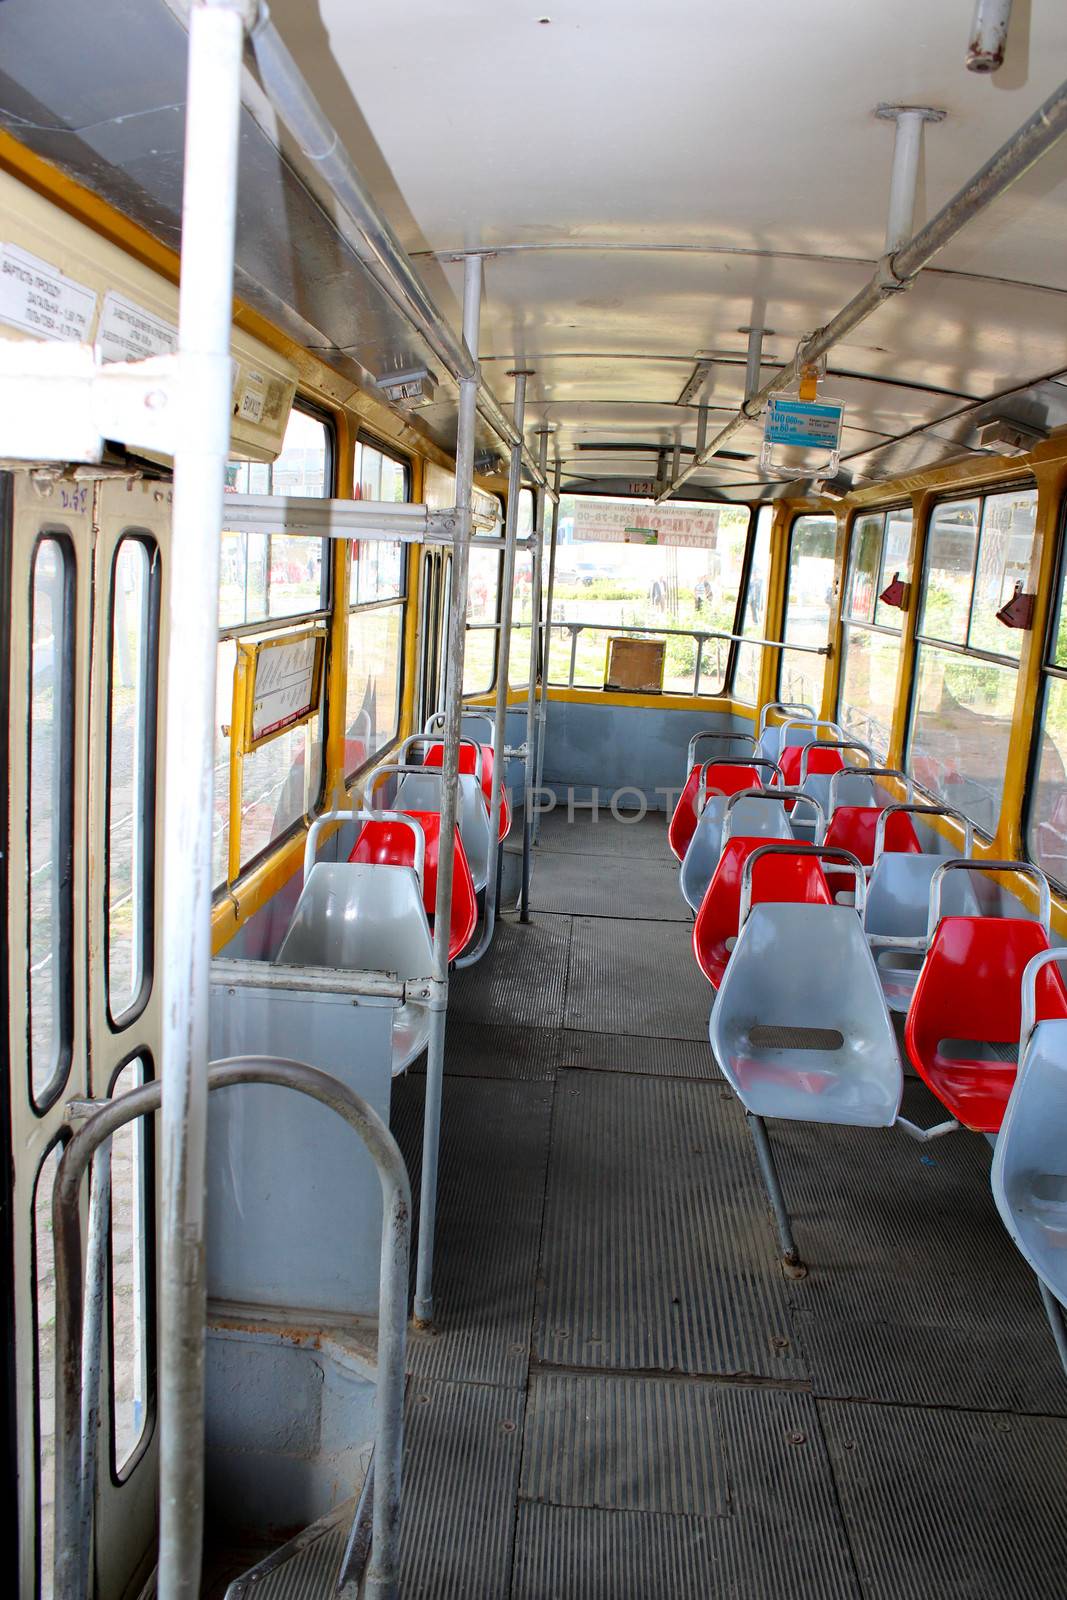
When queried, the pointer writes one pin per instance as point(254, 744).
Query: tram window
point(522, 598)
point(1046, 817)
point(381, 476)
point(871, 631)
point(225, 661)
point(807, 609)
point(130, 1254)
point(966, 665)
point(131, 772)
point(50, 822)
point(754, 614)
point(623, 565)
point(281, 782)
point(483, 614)
point(377, 591)
point(44, 1307)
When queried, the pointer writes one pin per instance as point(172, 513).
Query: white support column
point(216, 37)
point(453, 712)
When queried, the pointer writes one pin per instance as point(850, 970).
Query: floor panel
point(497, 1050)
point(579, 885)
point(636, 978)
point(965, 1506)
point(659, 1058)
point(522, 979)
point(494, 1149)
point(605, 836)
point(658, 1252)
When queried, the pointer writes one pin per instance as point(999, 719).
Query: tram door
point(86, 588)
point(434, 600)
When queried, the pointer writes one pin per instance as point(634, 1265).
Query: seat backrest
point(418, 793)
point(853, 828)
point(817, 761)
point(382, 841)
point(898, 895)
point(968, 997)
point(360, 916)
point(1029, 1175)
point(722, 777)
point(755, 817)
point(797, 876)
point(770, 733)
point(468, 758)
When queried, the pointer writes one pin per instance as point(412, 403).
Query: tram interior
point(535, 879)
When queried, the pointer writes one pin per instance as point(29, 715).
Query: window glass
point(380, 476)
point(377, 570)
point(50, 823)
point(131, 771)
point(961, 724)
point(285, 575)
point(521, 615)
point(628, 565)
point(754, 617)
point(1004, 553)
point(950, 555)
point(44, 1276)
point(282, 781)
point(807, 615)
point(372, 697)
point(896, 561)
point(243, 573)
point(298, 574)
point(865, 567)
point(1046, 828)
point(483, 600)
point(868, 686)
point(226, 660)
point(130, 1256)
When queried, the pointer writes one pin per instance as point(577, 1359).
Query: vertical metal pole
point(453, 712)
point(904, 176)
point(531, 693)
point(546, 648)
point(503, 665)
point(988, 35)
point(209, 204)
point(753, 362)
point(702, 428)
point(794, 1266)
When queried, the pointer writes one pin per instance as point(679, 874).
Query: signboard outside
point(603, 521)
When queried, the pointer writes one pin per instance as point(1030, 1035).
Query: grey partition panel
point(611, 748)
point(294, 1203)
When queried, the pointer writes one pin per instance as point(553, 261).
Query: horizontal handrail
point(1023, 869)
point(831, 744)
point(922, 811)
point(782, 793)
point(782, 847)
point(107, 1118)
point(364, 815)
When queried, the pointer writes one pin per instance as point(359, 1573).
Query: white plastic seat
point(800, 1027)
point(898, 900)
point(1029, 1175)
point(770, 736)
point(357, 917)
point(750, 814)
point(817, 784)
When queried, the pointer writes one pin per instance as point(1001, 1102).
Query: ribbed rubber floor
point(659, 1058)
point(496, 1050)
point(781, 1538)
point(625, 1398)
point(911, 1270)
point(463, 1447)
point(521, 980)
point(653, 1191)
point(494, 1151)
point(604, 836)
point(627, 977)
point(563, 881)
point(947, 1503)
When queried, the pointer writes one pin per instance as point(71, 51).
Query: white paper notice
point(284, 689)
point(130, 333)
point(40, 300)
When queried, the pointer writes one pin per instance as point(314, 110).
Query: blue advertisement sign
point(803, 424)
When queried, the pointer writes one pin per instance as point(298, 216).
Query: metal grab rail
point(74, 1467)
point(700, 635)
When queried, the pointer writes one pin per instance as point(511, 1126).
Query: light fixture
point(419, 385)
point(1010, 438)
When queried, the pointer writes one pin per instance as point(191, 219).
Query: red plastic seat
point(854, 827)
point(729, 778)
point(435, 757)
point(969, 992)
point(391, 843)
point(777, 878)
point(818, 761)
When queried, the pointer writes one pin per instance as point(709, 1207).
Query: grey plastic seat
point(817, 784)
point(1029, 1175)
point(358, 917)
point(770, 735)
point(751, 813)
point(896, 919)
point(800, 1027)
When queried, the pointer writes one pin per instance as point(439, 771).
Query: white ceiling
point(654, 178)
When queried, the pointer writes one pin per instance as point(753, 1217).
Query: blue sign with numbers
point(804, 424)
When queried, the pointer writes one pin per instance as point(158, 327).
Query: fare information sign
point(806, 425)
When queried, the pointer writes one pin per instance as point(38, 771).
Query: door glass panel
point(50, 820)
point(130, 797)
point(44, 1276)
point(130, 1254)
